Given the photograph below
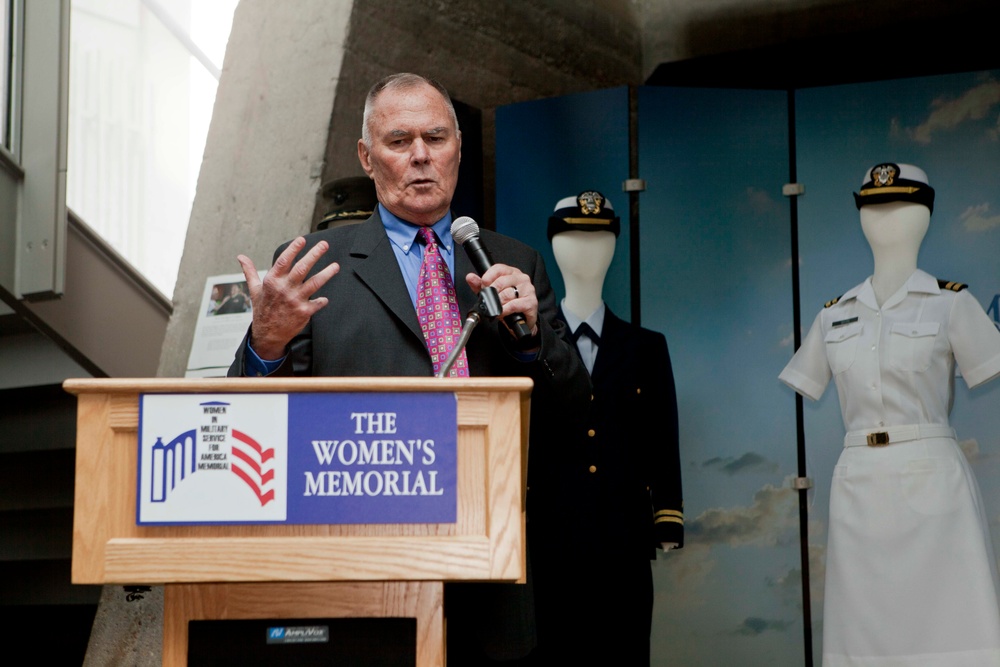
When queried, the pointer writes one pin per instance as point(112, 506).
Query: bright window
point(143, 76)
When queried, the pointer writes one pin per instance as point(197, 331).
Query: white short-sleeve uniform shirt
point(895, 365)
point(911, 578)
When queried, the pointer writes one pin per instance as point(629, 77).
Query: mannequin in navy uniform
point(603, 500)
point(911, 577)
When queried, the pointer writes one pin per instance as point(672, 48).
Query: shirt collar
point(919, 281)
point(402, 233)
point(596, 319)
point(923, 282)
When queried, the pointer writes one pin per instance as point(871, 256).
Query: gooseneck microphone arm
point(471, 320)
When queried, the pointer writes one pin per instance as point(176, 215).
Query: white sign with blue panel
point(302, 458)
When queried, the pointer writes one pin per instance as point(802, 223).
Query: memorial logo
point(224, 459)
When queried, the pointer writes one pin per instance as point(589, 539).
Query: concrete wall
point(486, 54)
point(264, 154)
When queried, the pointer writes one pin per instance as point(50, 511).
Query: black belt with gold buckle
point(879, 439)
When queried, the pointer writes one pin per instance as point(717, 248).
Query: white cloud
point(681, 576)
point(975, 104)
point(750, 461)
point(754, 625)
point(788, 587)
point(979, 219)
point(760, 202)
point(771, 519)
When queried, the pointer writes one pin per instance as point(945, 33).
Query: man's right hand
point(282, 303)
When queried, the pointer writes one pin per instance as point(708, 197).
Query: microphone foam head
point(463, 229)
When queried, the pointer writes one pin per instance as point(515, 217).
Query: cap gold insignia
point(883, 175)
point(590, 202)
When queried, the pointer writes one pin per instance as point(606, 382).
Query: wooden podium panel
point(422, 600)
point(225, 570)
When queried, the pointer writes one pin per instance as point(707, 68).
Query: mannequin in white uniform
point(911, 577)
point(604, 498)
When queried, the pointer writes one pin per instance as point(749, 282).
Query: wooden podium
point(215, 572)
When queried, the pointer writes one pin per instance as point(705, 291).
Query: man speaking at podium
point(378, 299)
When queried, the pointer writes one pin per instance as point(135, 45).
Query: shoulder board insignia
point(832, 302)
point(953, 286)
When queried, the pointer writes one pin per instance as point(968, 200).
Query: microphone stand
point(471, 320)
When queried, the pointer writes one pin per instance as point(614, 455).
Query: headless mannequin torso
point(894, 231)
point(583, 259)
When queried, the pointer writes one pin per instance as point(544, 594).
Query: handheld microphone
point(465, 231)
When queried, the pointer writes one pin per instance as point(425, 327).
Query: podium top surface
point(294, 384)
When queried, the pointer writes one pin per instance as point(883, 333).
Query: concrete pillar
point(264, 156)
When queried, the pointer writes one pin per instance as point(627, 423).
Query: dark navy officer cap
point(589, 211)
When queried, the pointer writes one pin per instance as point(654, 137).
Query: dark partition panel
point(716, 280)
point(555, 148)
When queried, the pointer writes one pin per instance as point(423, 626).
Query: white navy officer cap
point(888, 181)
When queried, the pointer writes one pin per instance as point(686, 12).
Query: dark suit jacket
point(370, 328)
point(613, 485)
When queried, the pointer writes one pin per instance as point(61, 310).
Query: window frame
point(33, 169)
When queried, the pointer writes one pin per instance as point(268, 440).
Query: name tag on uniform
point(840, 323)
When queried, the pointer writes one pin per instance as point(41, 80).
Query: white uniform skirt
point(911, 578)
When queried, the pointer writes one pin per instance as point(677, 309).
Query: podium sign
point(300, 458)
point(217, 566)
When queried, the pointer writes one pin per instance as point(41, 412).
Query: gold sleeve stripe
point(669, 516)
point(669, 519)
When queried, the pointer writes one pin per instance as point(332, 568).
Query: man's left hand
point(517, 294)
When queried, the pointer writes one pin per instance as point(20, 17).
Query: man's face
point(414, 154)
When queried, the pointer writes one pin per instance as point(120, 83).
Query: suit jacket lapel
point(379, 270)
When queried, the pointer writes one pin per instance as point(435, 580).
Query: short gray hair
point(401, 81)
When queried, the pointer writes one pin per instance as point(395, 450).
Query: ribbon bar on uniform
point(895, 434)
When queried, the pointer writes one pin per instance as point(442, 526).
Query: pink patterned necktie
point(437, 308)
